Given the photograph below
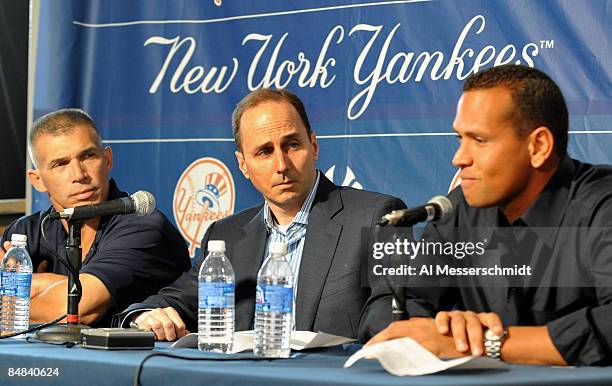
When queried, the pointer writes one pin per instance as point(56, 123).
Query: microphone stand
point(398, 297)
point(71, 330)
point(397, 309)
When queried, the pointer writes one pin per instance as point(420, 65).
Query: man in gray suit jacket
point(322, 223)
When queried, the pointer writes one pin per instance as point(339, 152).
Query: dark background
point(13, 96)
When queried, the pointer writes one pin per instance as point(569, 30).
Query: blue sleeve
point(182, 294)
point(136, 257)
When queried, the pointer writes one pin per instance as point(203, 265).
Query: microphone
point(438, 209)
point(140, 203)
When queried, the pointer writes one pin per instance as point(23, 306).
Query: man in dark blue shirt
point(124, 258)
point(541, 210)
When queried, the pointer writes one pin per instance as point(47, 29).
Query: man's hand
point(42, 266)
point(524, 344)
point(5, 247)
point(467, 328)
point(164, 322)
point(424, 332)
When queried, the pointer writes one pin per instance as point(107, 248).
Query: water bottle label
point(274, 298)
point(216, 295)
point(16, 284)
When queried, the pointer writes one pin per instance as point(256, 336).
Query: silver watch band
point(493, 344)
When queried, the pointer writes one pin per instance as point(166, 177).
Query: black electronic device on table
point(117, 339)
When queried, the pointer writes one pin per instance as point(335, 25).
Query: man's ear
point(241, 164)
point(36, 180)
point(541, 146)
point(313, 139)
point(108, 157)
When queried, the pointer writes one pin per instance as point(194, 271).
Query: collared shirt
point(133, 256)
point(566, 239)
point(292, 235)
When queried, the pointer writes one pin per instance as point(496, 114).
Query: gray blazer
point(331, 295)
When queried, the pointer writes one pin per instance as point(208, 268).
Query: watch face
point(491, 336)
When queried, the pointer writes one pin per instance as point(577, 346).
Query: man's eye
point(294, 145)
point(263, 152)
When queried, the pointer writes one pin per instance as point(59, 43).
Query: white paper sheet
point(406, 357)
point(300, 340)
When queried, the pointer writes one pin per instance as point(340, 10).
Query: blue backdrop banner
point(380, 81)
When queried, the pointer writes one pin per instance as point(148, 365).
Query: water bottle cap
point(278, 247)
point(216, 246)
point(17, 238)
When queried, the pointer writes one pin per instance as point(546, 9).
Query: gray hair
point(58, 123)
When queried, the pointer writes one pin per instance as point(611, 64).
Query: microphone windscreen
point(446, 208)
point(144, 203)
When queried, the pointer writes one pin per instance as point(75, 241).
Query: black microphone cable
point(33, 329)
point(225, 358)
point(61, 259)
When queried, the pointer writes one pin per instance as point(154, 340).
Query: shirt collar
point(549, 207)
point(301, 216)
point(544, 216)
point(113, 193)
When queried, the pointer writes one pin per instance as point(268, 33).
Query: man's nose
point(79, 172)
point(281, 161)
point(462, 157)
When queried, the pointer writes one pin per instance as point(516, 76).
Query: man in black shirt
point(542, 210)
point(124, 258)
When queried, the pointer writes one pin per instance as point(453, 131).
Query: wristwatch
point(493, 343)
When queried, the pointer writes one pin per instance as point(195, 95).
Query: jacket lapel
point(248, 248)
point(320, 245)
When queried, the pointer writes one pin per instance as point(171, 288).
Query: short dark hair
point(538, 101)
point(58, 123)
point(264, 95)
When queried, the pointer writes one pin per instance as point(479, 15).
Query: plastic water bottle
point(216, 300)
point(16, 281)
point(274, 305)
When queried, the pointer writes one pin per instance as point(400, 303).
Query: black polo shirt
point(566, 239)
point(133, 256)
